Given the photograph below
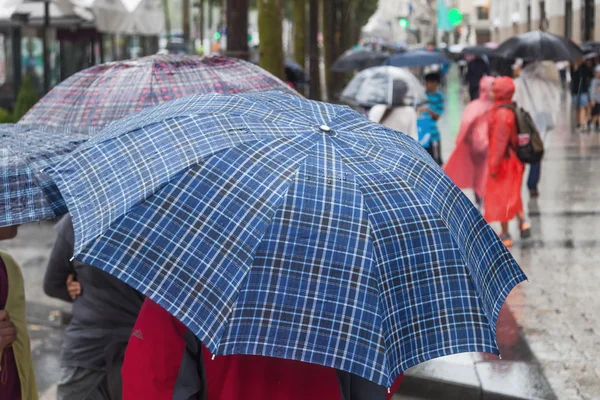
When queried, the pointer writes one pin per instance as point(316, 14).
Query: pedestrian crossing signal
point(403, 22)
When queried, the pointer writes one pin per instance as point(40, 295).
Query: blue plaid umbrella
point(27, 193)
point(277, 226)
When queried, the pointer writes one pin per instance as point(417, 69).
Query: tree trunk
point(237, 29)
point(300, 31)
point(328, 28)
point(315, 90)
point(270, 31)
point(185, 14)
point(345, 26)
point(201, 23)
point(165, 5)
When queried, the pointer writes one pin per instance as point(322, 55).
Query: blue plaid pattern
point(27, 193)
point(266, 235)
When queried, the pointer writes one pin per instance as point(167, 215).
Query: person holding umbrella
point(538, 92)
point(581, 78)
point(476, 69)
point(398, 116)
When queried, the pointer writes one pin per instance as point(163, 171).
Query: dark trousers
point(474, 92)
point(435, 151)
point(535, 173)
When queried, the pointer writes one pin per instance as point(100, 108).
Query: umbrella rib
point(434, 210)
point(276, 208)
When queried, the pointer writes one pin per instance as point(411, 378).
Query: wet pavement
point(551, 324)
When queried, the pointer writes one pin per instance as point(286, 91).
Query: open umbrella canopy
point(539, 46)
point(374, 86)
point(278, 226)
point(295, 72)
point(416, 58)
point(358, 60)
point(27, 193)
point(104, 93)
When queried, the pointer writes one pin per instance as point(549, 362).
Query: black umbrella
point(539, 46)
point(590, 46)
point(294, 72)
point(478, 51)
point(358, 60)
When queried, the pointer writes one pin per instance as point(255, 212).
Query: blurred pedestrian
point(467, 166)
point(562, 70)
point(476, 69)
point(595, 97)
point(538, 92)
point(429, 114)
point(17, 377)
point(581, 77)
point(398, 116)
point(104, 312)
point(165, 361)
point(503, 187)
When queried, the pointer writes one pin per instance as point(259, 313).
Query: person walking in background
point(399, 116)
point(538, 92)
point(104, 312)
point(429, 114)
point(595, 97)
point(467, 166)
point(505, 177)
point(17, 377)
point(581, 77)
point(476, 69)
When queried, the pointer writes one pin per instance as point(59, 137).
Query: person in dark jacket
point(104, 312)
point(165, 361)
point(581, 77)
point(476, 69)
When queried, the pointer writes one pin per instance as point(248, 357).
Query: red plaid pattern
point(104, 93)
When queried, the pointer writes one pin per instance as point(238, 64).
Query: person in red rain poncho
point(505, 170)
point(467, 166)
point(165, 361)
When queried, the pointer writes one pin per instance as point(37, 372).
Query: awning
point(127, 17)
point(148, 17)
point(61, 12)
point(110, 16)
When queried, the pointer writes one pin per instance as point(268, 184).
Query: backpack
point(530, 146)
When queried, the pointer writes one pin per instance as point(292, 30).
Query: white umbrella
point(374, 86)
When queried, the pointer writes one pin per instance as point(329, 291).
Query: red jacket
point(503, 187)
point(151, 370)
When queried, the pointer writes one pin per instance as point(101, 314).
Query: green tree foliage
point(6, 116)
point(364, 9)
point(26, 98)
point(270, 32)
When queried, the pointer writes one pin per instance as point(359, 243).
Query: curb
point(478, 380)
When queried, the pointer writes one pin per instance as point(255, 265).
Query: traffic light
point(217, 35)
point(403, 22)
point(455, 17)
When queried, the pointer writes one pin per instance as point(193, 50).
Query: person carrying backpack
point(503, 187)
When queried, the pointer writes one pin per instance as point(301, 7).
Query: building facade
point(576, 19)
point(420, 20)
point(475, 28)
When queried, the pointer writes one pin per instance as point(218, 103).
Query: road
point(556, 311)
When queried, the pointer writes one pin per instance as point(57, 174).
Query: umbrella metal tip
point(325, 128)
